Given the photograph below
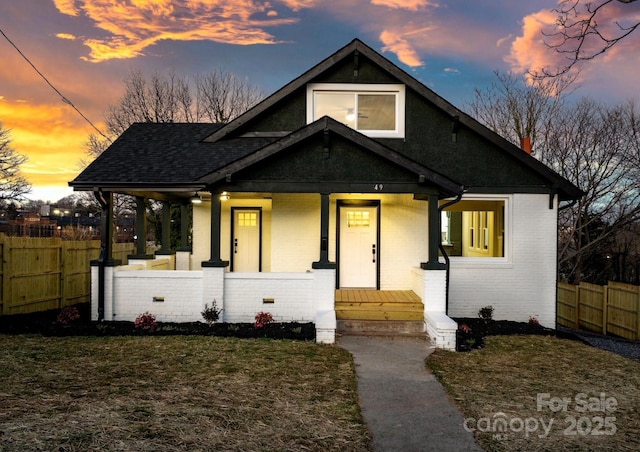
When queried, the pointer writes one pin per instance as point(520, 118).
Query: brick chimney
point(525, 144)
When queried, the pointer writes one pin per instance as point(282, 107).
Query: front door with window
point(246, 240)
point(358, 252)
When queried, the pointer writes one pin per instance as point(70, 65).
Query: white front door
point(358, 246)
point(245, 246)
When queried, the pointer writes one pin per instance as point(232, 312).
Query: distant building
point(30, 225)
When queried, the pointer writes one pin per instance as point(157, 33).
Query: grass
point(501, 382)
point(176, 393)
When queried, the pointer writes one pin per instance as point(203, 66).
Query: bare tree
point(583, 32)
point(591, 145)
point(516, 108)
point(222, 96)
point(216, 97)
point(13, 186)
point(162, 98)
point(594, 146)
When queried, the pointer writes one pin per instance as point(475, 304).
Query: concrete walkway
point(404, 406)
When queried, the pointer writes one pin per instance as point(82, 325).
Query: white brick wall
point(404, 240)
point(524, 284)
point(134, 292)
point(292, 294)
point(185, 293)
point(295, 232)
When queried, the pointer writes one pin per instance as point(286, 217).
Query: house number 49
point(378, 187)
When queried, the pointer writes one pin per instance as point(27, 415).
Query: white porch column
point(95, 291)
point(440, 327)
point(183, 260)
point(213, 288)
point(110, 312)
point(435, 290)
point(324, 302)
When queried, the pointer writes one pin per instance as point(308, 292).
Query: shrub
point(67, 315)
point(146, 322)
point(262, 319)
point(486, 313)
point(533, 321)
point(211, 314)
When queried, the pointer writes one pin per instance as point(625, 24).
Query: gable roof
point(329, 125)
point(164, 157)
point(566, 189)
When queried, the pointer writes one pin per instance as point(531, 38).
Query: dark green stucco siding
point(469, 159)
point(340, 161)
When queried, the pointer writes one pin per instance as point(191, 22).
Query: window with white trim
point(374, 110)
point(475, 228)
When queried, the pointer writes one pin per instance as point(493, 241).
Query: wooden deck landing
point(370, 304)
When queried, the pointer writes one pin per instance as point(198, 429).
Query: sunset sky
point(86, 48)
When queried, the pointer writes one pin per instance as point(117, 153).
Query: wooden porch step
point(378, 314)
point(365, 295)
point(378, 305)
point(381, 328)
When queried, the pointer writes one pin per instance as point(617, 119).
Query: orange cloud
point(67, 7)
point(67, 36)
point(136, 25)
point(297, 5)
point(400, 46)
point(529, 51)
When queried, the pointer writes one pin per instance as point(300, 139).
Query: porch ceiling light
point(224, 196)
point(196, 200)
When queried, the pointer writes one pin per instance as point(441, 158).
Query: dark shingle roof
point(164, 153)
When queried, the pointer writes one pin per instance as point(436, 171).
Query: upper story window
point(374, 110)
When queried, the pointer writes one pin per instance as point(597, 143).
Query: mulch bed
point(45, 323)
point(472, 331)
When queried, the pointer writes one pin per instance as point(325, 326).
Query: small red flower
point(262, 319)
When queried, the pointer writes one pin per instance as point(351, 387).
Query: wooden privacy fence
point(610, 309)
point(38, 274)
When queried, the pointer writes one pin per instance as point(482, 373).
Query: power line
point(64, 99)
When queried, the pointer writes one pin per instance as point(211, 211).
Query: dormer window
point(374, 110)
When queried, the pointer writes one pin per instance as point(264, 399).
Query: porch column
point(184, 228)
point(141, 230)
point(100, 280)
point(434, 236)
point(165, 246)
point(183, 253)
point(324, 263)
point(216, 214)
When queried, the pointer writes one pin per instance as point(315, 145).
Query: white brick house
point(354, 175)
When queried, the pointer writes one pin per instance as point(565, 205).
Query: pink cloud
point(411, 5)
point(397, 44)
point(533, 50)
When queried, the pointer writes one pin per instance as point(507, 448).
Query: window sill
point(480, 262)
